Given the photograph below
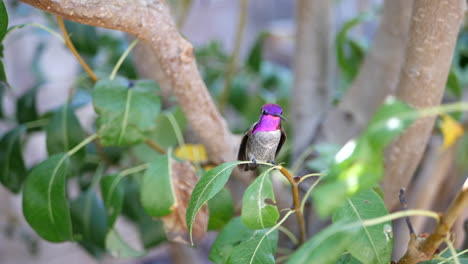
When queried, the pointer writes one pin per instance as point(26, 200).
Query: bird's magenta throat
point(268, 123)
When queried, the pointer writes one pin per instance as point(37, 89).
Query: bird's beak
point(282, 118)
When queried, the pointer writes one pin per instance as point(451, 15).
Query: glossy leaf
point(221, 209)
point(3, 21)
point(118, 247)
point(89, 219)
point(208, 186)
point(26, 109)
point(126, 111)
point(45, 204)
point(261, 248)
point(325, 248)
point(232, 235)
point(372, 244)
point(64, 132)
point(258, 211)
point(157, 190)
point(12, 168)
point(359, 164)
point(112, 194)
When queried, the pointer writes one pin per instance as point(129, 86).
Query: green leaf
point(254, 59)
point(261, 248)
point(84, 37)
point(13, 171)
point(257, 209)
point(372, 244)
point(208, 186)
point(26, 109)
point(453, 83)
point(325, 248)
point(157, 190)
point(348, 259)
point(3, 21)
point(221, 209)
point(119, 248)
point(112, 194)
point(64, 132)
point(45, 204)
point(89, 219)
point(164, 132)
point(126, 112)
point(232, 235)
point(3, 79)
point(359, 164)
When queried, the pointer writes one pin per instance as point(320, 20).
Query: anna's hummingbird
point(264, 139)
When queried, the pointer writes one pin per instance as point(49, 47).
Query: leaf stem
point(122, 58)
point(82, 144)
point(244, 4)
point(51, 31)
point(71, 47)
point(36, 123)
point(296, 202)
point(289, 234)
point(155, 146)
point(306, 196)
point(302, 178)
point(133, 170)
point(452, 250)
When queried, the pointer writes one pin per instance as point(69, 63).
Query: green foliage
point(3, 31)
point(112, 193)
point(118, 247)
point(45, 204)
point(221, 208)
point(254, 59)
point(258, 211)
point(12, 168)
point(359, 164)
point(207, 187)
point(126, 111)
point(157, 190)
point(371, 244)
point(260, 248)
point(26, 109)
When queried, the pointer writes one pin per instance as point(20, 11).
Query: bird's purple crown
point(272, 109)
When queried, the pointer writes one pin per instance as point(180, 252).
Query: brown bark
point(310, 99)
point(432, 37)
point(151, 21)
point(377, 77)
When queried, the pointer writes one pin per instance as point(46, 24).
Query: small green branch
point(134, 169)
point(244, 4)
point(122, 58)
point(36, 123)
point(452, 249)
point(289, 234)
point(82, 144)
point(51, 31)
point(306, 196)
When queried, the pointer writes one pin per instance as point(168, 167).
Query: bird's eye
point(263, 112)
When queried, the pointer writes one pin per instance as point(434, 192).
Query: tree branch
point(432, 37)
point(377, 77)
point(151, 21)
point(312, 58)
point(422, 250)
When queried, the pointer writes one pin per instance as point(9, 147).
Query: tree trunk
point(377, 77)
point(310, 98)
point(432, 37)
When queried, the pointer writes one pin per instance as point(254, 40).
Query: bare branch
point(310, 99)
point(151, 21)
point(432, 37)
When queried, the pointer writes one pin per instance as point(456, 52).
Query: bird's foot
point(272, 162)
point(254, 162)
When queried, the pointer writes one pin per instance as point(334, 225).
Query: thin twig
point(155, 146)
point(296, 201)
point(71, 47)
point(404, 205)
point(244, 4)
point(422, 250)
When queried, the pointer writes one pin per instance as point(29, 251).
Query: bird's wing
point(242, 154)
point(281, 142)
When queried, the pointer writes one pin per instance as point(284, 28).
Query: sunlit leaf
point(221, 209)
point(126, 111)
point(325, 248)
point(192, 152)
point(208, 186)
point(89, 219)
point(372, 244)
point(157, 190)
point(451, 130)
point(118, 247)
point(261, 248)
point(112, 195)
point(258, 209)
point(12, 168)
point(45, 204)
point(232, 235)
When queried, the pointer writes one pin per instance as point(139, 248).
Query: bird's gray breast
point(262, 145)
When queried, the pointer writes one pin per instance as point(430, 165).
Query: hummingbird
point(264, 139)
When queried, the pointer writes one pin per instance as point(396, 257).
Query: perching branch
point(422, 250)
point(152, 22)
point(432, 37)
